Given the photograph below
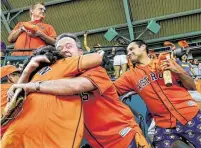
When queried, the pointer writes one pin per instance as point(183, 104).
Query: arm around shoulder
point(66, 86)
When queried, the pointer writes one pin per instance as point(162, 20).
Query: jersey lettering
point(153, 76)
point(145, 80)
point(44, 70)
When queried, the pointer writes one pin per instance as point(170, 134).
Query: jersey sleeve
point(72, 66)
point(99, 78)
point(124, 84)
point(79, 64)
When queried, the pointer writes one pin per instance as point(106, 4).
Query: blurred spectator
point(199, 69)
point(3, 48)
point(21, 66)
point(196, 96)
point(170, 44)
point(34, 33)
point(8, 63)
point(97, 47)
point(183, 44)
point(185, 65)
point(198, 85)
point(3, 52)
point(190, 61)
point(120, 60)
point(196, 68)
point(106, 61)
point(86, 44)
point(9, 76)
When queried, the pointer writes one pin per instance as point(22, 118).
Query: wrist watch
point(38, 86)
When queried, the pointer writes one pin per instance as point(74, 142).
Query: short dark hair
point(70, 35)
point(140, 43)
point(50, 52)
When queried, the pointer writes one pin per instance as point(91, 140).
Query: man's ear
point(143, 47)
point(81, 51)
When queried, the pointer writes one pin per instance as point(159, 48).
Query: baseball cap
point(8, 69)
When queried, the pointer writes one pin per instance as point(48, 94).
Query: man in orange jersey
point(9, 76)
point(24, 36)
point(175, 112)
point(48, 120)
point(108, 122)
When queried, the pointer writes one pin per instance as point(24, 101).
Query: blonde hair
point(34, 6)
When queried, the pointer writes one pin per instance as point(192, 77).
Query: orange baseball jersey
point(49, 120)
point(108, 122)
point(4, 97)
point(24, 41)
point(167, 104)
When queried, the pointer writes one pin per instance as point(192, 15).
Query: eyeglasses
point(67, 45)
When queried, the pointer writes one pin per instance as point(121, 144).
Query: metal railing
point(7, 57)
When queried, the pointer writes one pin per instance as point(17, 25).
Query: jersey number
point(84, 96)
